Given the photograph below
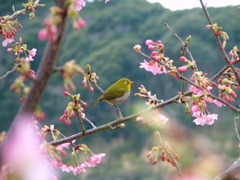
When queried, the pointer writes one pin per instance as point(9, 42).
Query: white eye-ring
point(125, 82)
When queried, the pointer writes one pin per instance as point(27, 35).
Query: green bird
point(117, 92)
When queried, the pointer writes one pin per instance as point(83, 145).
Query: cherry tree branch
point(44, 72)
point(9, 72)
point(180, 39)
point(112, 124)
point(219, 44)
point(22, 11)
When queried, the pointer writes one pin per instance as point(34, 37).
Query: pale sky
point(188, 4)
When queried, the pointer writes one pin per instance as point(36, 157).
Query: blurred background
point(106, 43)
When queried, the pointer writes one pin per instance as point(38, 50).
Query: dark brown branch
point(43, 74)
point(219, 44)
point(111, 124)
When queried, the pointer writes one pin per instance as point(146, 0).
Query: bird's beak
point(132, 82)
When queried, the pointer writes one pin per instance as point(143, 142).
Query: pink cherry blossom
point(88, 164)
point(7, 41)
point(43, 34)
point(96, 158)
point(206, 119)
point(78, 4)
point(33, 52)
point(78, 170)
point(153, 67)
point(218, 103)
point(195, 90)
point(182, 68)
point(29, 58)
point(67, 168)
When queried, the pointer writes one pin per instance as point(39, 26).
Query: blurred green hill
point(106, 43)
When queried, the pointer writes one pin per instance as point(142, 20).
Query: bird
point(117, 92)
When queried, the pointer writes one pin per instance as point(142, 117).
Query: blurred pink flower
point(67, 168)
point(153, 67)
point(205, 119)
point(7, 41)
point(78, 4)
point(218, 103)
point(23, 154)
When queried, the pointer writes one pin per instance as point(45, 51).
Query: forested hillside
point(106, 44)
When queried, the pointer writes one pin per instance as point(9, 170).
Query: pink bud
point(208, 26)
point(182, 58)
point(68, 122)
point(84, 104)
point(157, 58)
point(84, 82)
point(81, 23)
point(9, 49)
point(62, 118)
point(231, 53)
point(42, 34)
point(151, 47)
point(66, 93)
point(148, 42)
point(154, 53)
point(91, 88)
point(182, 68)
point(160, 45)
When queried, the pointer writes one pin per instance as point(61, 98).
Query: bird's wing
point(113, 95)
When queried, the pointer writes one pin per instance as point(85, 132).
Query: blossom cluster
point(72, 107)
point(9, 25)
point(164, 154)
point(8, 29)
point(23, 58)
point(78, 169)
point(201, 87)
point(49, 32)
point(89, 79)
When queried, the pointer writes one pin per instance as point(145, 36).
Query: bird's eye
point(125, 82)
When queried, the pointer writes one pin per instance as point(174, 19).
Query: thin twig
point(9, 72)
point(236, 128)
point(16, 13)
point(180, 39)
point(57, 69)
point(97, 86)
point(80, 121)
point(90, 122)
point(219, 44)
point(112, 124)
point(219, 73)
